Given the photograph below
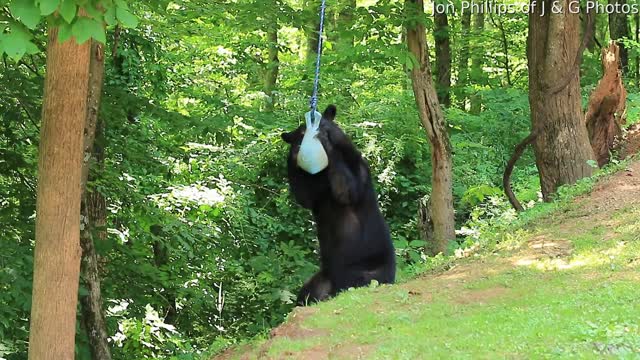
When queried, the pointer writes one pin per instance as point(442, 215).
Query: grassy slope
point(567, 286)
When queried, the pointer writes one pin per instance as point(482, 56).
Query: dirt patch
point(631, 145)
point(596, 208)
point(232, 352)
point(351, 351)
point(315, 353)
point(473, 270)
point(480, 296)
point(292, 329)
point(615, 193)
point(545, 247)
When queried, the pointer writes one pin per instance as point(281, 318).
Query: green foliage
point(25, 17)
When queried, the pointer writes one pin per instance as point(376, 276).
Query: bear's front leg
point(346, 179)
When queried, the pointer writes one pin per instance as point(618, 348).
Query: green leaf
point(417, 243)
point(64, 32)
point(84, 29)
point(110, 16)
point(14, 46)
point(81, 29)
point(47, 7)
point(32, 49)
point(68, 10)
point(98, 31)
point(126, 18)
point(26, 11)
point(92, 11)
point(16, 42)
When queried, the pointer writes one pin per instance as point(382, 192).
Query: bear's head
point(294, 138)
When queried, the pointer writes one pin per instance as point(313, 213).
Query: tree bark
point(618, 29)
point(554, 50)
point(273, 65)
point(637, 17)
point(463, 60)
point(57, 250)
point(312, 30)
point(432, 118)
point(477, 59)
point(93, 211)
point(443, 57)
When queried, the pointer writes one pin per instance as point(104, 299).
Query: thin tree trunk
point(161, 258)
point(92, 208)
point(273, 66)
point(463, 60)
point(477, 59)
point(443, 57)
point(618, 29)
point(505, 47)
point(312, 30)
point(637, 57)
point(345, 21)
point(506, 178)
point(57, 250)
point(432, 118)
point(562, 146)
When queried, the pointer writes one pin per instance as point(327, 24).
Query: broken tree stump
point(605, 113)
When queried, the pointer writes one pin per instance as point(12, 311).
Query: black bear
point(355, 245)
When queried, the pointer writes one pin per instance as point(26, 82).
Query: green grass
point(568, 286)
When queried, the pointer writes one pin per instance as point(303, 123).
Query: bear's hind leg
point(317, 288)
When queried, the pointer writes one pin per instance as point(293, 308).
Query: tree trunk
point(57, 250)
point(605, 110)
point(637, 57)
point(463, 60)
point(562, 146)
point(273, 66)
point(432, 118)
point(506, 177)
point(618, 29)
point(312, 30)
point(93, 210)
point(345, 23)
point(505, 47)
point(443, 57)
point(477, 59)
point(161, 258)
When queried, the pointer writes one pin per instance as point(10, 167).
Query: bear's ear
point(293, 137)
point(329, 112)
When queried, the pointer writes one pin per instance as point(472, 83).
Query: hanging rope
point(314, 97)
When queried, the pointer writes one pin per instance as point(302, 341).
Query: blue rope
point(314, 97)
